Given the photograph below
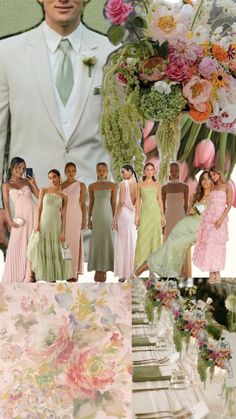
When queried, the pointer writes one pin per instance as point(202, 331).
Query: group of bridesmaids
point(145, 212)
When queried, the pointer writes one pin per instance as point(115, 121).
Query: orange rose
point(201, 116)
point(219, 53)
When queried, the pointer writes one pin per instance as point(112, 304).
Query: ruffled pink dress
point(17, 267)
point(74, 234)
point(210, 249)
point(125, 238)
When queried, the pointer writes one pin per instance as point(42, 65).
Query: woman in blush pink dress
point(75, 219)
point(210, 250)
point(123, 224)
point(18, 191)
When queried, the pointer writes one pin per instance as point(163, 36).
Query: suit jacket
point(27, 96)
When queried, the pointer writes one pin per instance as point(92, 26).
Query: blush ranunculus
point(178, 72)
point(117, 11)
point(198, 92)
point(153, 69)
point(204, 154)
point(91, 372)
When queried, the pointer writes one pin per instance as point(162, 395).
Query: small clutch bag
point(65, 252)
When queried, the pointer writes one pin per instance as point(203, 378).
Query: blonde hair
point(216, 169)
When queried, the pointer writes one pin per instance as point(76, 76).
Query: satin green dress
point(150, 228)
point(101, 247)
point(168, 260)
point(44, 250)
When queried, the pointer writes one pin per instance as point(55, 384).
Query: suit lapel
point(88, 46)
point(38, 54)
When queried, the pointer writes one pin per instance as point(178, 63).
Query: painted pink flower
point(204, 154)
point(117, 340)
point(184, 52)
point(207, 67)
point(198, 92)
point(65, 352)
point(178, 73)
point(120, 77)
point(153, 69)
point(117, 11)
point(90, 373)
point(169, 24)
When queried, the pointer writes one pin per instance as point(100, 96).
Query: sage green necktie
point(65, 79)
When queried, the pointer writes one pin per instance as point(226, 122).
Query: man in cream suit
point(47, 129)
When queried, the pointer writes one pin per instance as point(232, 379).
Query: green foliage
point(115, 34)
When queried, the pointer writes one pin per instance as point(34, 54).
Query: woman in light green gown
point(168, 260)
point(102, 207)
point(149, 216)
point(44, 251)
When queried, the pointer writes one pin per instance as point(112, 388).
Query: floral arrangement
point(174, 58)
point(191, 319)
point(213, 354)
point(160, 294)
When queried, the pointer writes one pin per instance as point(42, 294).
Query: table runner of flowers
point(65, 352)
point(174, 58)
point(193, 319)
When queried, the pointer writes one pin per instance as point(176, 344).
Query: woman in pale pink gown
point(75, 219)
point(18, 191)
point(210, 249)
point(123, 224)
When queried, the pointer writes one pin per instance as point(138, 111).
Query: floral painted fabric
point(65, 351)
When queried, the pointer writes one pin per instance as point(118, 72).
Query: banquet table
point(154, 365)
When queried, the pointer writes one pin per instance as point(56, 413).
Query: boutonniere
point(90, 60)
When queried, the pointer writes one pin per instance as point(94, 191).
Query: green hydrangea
point(159, 106)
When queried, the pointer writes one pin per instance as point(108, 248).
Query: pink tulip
point(148, 127)
point(192, 184)
point(183, 171)
point(233, 184)
point(204, 154)
point(149, 144)
point(227, 161)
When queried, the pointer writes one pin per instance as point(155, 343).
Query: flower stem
point(196, 14)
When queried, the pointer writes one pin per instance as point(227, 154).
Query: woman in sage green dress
point(168, 260)
point(149, 216)
point(102, 207)
point(44, 251)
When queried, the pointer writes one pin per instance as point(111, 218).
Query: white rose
point(209, 301)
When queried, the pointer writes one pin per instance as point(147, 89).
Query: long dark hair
point(102, 163)
point(200, 191)
point(14, 162)
point(70, 163)
point(146, 165)
point(130, 169)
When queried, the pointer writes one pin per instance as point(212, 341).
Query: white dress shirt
point(53, 39)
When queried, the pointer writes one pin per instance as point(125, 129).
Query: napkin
point(148, 373)
point(141, 341)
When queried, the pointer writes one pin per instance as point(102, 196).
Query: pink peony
point(204, 154)
point(90, 373)
point(207, 67)
point(197, 91)
point(117, 11)
point(169, 24)
point(178, 72)
point(153, 69)
point(184, 52)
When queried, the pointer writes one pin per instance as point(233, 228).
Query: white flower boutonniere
point(90, 60)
